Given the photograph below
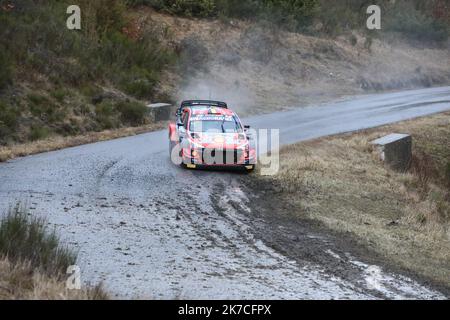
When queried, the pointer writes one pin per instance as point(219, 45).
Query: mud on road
point(278, 224)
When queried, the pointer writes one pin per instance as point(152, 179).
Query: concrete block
point(395, 150)
point(161, 111)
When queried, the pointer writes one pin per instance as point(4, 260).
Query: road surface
point(149, 229)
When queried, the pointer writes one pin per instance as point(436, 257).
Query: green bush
point(291, 13)
point(38, 133)
point(337, 17)
point(191, 8)
point(139, 88)
point(42, 107)
point(59, 94)
point(9, 118)
point(101, 17)
point(132, 65)
point(132, 113)
point(238, 8)
point(26, 239)
point(405, 18)
point(106, 115)
point(35, 36)
point(5, 69)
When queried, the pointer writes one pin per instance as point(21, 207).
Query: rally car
point(208, 133)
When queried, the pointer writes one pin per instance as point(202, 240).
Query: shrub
point(140, 88)
point(290, 13)
point(102, 17)
point(133, 65)
point(26, 239)
point(9, 117)
point(293, 14)
point(106, 115)
point(5, 69)
point(43, 108)
point(406, 19)
point(238, 8)
point(132, 113)
point(38, 133)
point(191, 8)
point(40, 105)
point(59, 94)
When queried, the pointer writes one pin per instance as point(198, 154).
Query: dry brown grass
point(405, 217)
point(33, 261)
point(21, 281)
point(59, 142)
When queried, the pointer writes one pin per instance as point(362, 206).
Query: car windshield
point(223, 125)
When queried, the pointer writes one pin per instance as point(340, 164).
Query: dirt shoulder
point(22, 281)
point(338, 187)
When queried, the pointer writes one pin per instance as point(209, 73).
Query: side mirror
point(247, 133)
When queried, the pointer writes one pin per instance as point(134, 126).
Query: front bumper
point(219, 157)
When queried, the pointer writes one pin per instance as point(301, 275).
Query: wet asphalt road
point(149, 229)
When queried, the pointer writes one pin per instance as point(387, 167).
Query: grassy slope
point(58, 82)
point(403, 217)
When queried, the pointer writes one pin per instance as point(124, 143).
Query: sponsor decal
point(209, 117)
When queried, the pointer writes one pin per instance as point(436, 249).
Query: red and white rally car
point(207, 133)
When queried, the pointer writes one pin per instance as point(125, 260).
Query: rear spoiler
point(190, 103)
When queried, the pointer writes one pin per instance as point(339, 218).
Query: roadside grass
point(33, 263)
point(53, 143)
point(24, 238)
point(404, 217)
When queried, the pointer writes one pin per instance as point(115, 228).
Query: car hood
point(219, 140)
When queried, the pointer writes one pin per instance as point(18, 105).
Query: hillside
point(259, 68)
point(55, 82)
